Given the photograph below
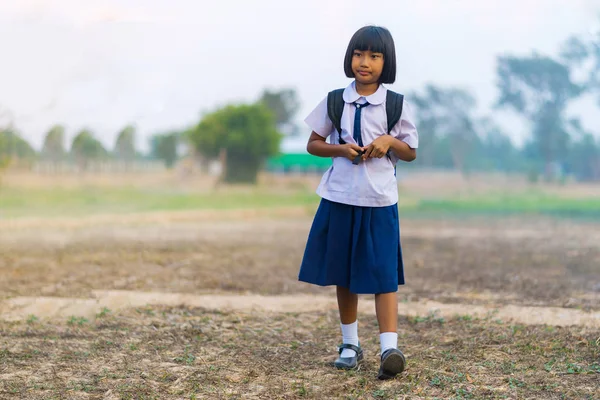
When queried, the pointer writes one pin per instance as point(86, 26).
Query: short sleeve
point(319, 121)
point(406, 129)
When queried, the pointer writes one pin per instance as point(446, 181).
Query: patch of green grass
point(103, 313)
point(32, 319)
point(187, 358)
point(17, 202)
point(300, 389)
point(73, 320)
point(526, 202)
point(82, 387)
point(431, 317)
point(514, 383)
point(147, 311)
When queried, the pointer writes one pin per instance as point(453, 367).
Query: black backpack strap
point(335, 108)
point(393, 108)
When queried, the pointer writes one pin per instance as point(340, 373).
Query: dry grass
point(186, 353)
point(180, 353)
point(506, 261)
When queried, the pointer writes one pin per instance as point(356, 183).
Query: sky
point(162, 64)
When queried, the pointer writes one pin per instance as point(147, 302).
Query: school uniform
point(354, 240)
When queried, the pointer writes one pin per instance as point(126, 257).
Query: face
point(367, 66)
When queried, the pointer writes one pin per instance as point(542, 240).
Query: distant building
point(293, 157)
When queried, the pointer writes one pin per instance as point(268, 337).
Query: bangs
point(369, 39)
point(378, 40)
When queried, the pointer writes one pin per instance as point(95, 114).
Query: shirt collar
point(351, 96)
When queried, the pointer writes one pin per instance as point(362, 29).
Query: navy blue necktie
point(357, 134)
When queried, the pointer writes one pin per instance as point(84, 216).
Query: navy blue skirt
point(354, 247)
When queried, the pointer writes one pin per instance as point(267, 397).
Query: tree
point(125, 145)
point(164, 147)
point(5, 150)
point(539, 88)
point(53, 149)
point(445, 113)
point(15, 147)
point(85, 148)
point(248, 135)
point(497, 152)
point(14, 150)
point(283, 104)
point(583, 56)
point(584, 154)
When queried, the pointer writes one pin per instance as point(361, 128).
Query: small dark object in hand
point(357, 159)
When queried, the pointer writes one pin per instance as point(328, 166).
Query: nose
point(364, 61)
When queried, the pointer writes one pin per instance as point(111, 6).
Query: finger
point(368, 152)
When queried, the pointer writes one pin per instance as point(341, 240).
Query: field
point(172, 287)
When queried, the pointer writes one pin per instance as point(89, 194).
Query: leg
point(386, 306)
point(348, 307)
point(392, 359)
point(347, 304)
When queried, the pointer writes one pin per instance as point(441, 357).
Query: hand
point(351, 150)
point(379, 147)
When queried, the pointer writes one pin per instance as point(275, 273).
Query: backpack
point(335, 108)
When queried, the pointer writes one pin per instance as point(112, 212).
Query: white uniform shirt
point(371, 183)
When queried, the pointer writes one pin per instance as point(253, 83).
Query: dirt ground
point(149, 350)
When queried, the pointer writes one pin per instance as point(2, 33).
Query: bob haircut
point(377, 40)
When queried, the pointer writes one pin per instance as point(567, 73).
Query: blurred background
point(509, 87)
point(153, 170)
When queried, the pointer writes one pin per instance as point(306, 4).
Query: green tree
point(584, 154)
point(85, 148)
point(539, 88)
point(5, 149)
point(164, 147)
point(16, 148)
point(283, 104)
point(496, 150)
point(582, 54)
point(445, 115)
point(125, 145)
point(248, 135)
point(53, 149)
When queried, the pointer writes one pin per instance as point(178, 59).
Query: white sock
point(388, 340)
point(349, 336)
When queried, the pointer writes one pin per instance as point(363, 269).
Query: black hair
point(378, 40)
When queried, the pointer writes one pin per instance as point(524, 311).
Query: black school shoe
point(349, 362)
point(392, 363)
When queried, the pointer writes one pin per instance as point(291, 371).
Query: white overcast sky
point(159, 64)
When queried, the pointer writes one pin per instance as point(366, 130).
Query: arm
point(385, 143)
point(402, 141)
point(402, 150)
point(317, 146)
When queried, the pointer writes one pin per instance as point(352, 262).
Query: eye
point(357, 54)
point(376, 56)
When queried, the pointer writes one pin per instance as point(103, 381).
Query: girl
point(354, 241)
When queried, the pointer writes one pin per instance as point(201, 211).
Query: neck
point(366, 89)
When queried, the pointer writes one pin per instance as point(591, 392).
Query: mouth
point(363, 73)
